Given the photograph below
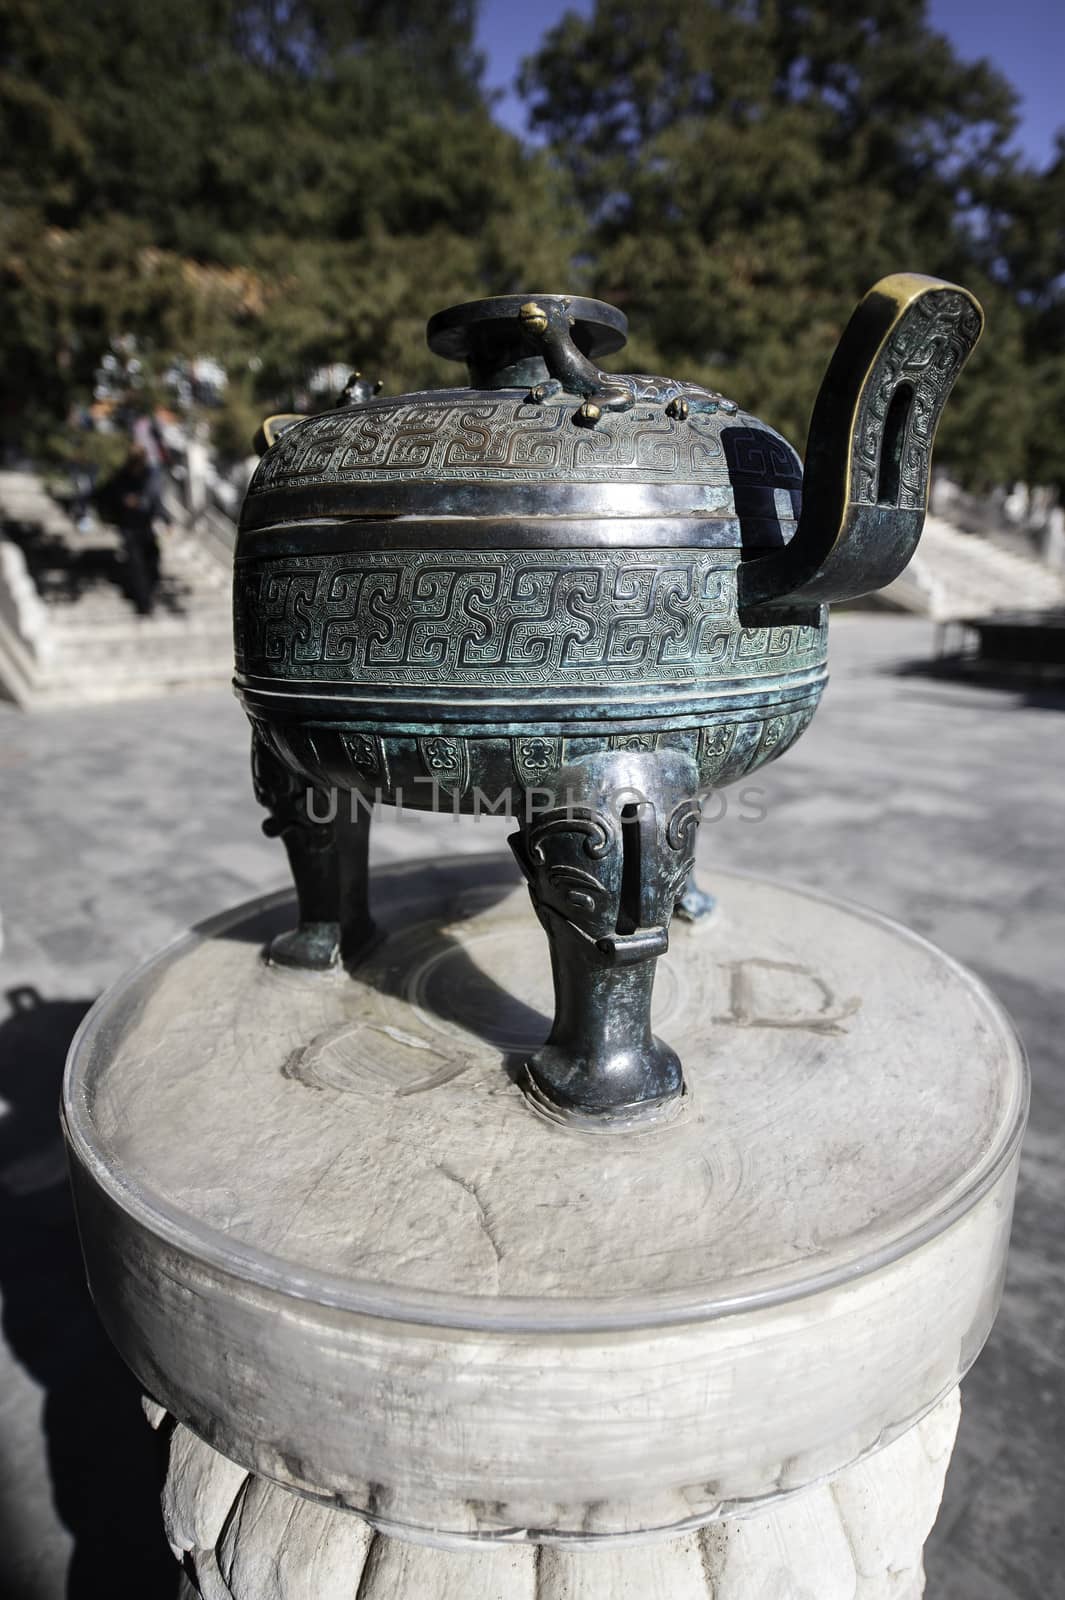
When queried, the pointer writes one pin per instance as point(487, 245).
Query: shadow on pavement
point(102, 1457)
point(63, 573)
point(1033, 689)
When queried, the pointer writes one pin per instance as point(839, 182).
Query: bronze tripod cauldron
point(596, 595)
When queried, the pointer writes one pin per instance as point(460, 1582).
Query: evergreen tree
point(287, 183)
point(337, 155)
point(1026, 247)
point(750, 168)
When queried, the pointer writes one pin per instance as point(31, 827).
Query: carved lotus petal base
point(857, 1536)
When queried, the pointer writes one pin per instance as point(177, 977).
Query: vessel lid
point(459, 332)
point(544, 447)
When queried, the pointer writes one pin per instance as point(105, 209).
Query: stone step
point(955, 575)
point(157, 629)
point(118, 662)
point(115, 656)
point(71, 641)
point(105, 621)
point(97, 647)
point(77, 688)
point(179, 611)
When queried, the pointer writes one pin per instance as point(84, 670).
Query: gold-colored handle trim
point(271, 429)
point(869, 449)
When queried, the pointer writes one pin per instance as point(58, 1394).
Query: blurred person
point(130, 499)
point(148, 436)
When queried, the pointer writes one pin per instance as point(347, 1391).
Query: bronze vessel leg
point(328, 861)
point(693, 903)
point(605, 865)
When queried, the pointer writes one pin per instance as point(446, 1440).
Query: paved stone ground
point(937, 803)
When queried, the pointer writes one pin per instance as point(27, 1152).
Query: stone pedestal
point(421, 1341)
point(857, 1536)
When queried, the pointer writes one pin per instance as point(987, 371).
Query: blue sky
point(1025, 39)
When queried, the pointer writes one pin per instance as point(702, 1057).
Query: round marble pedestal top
point(328, 1232)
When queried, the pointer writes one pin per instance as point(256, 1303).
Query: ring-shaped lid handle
point(499, 340)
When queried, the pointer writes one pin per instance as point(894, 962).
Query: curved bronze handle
point(355, 392)
point(865, 486)
point(270, 429)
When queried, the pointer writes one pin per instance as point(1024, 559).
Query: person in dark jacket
point(130, 499)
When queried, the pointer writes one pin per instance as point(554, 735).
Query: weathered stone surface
point(201, 1486)
point(677, 1570)
point(888, 1514)
point(278, 1547)
point(857, 1537)
point(154, 1413)
point(395, 1569)
point(208, 1579)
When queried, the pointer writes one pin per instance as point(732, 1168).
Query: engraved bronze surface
point(583, 599)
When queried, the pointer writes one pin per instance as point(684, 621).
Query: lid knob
point(500, 339)
point(533, 317)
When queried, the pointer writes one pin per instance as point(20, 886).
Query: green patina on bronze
point(570, 584)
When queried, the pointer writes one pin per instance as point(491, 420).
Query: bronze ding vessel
point(580, 597)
